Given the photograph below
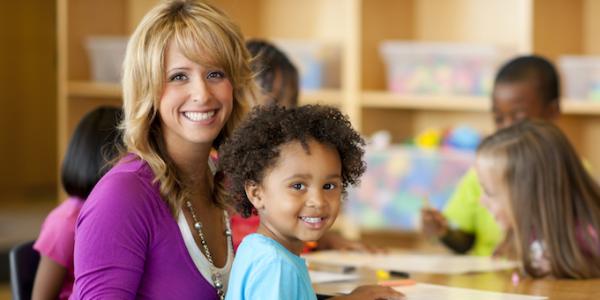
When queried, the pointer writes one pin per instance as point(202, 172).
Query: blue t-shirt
point(264, 269)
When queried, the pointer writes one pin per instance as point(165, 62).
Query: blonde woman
point(155, 227)
point(536, 186)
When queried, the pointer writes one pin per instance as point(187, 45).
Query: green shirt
point(465, 211)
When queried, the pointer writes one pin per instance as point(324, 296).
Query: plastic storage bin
point(398, 178)
point(318, 63)
point(580, 77)
point(428, 68)
point(106, 54)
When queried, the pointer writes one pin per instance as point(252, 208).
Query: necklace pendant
point(218, 284)
point(216, 277)
point(198, 226)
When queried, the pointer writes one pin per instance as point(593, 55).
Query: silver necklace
point(216, 276)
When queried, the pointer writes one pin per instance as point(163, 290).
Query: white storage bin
point(580, 77)
point(106, 54)
point(429, 68)
point(318, 63)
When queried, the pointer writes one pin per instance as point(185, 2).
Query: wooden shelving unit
point(548, 27)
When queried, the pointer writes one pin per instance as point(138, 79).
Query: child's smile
point(314, 222)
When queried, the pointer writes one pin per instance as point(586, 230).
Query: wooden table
point(492, 281)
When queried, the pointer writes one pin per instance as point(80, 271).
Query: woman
point(155, 227)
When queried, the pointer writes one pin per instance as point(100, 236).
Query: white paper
point(321, 277)
point(417, 263)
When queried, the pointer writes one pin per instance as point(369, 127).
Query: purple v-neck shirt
point(128, 245)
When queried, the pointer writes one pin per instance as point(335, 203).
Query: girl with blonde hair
point(155, 226)
point(537, 188)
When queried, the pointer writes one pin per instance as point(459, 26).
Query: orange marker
point(400, 282)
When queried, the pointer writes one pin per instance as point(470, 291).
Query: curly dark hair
point(255, 145)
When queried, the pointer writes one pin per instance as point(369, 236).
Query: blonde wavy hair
point(206, 36)
point(552, 198)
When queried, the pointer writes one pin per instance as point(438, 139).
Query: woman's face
point(495, 194)
point(196, 101)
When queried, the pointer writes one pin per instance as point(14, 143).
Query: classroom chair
point(23, 266)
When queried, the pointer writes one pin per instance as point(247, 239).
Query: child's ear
point(553, 110)
point(254, 194)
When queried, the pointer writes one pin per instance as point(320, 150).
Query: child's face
point(516, 101)
point(495, 194)
point(299, 198)
point(196, 101)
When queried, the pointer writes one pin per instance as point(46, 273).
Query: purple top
point(128, 245)
point(57, 237)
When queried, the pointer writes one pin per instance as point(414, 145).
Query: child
point(93, 145)
point(291, 167)
point(278, 79)
point(525, 87)
point(276, 74)
point(534, 183)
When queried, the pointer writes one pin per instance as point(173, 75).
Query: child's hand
point(373, 292)
point(434, 223)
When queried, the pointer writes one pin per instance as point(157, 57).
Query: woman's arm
point(49, 279)
point(112, 239)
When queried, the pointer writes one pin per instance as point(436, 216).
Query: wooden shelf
point(328, 97)
point(379, 99)
point(89, 89)
point(580, 107)
point(382, 99)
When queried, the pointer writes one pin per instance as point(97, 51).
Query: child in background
point(276, 74)
point(291, 167)
point(525, 87)
point(534, 183)
point(278, 80)
point(94, 143)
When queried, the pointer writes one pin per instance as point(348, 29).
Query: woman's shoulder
point(132, 165)
point(129, 184)
point(130, 172)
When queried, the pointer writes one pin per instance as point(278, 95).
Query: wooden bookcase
point(547, 27)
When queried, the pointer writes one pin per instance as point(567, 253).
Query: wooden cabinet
point(547, 27)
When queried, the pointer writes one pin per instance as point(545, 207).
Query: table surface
point(499, 281)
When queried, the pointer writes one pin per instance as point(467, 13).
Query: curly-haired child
point(291, 167)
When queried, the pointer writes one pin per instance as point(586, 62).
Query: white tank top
point(199, 258)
